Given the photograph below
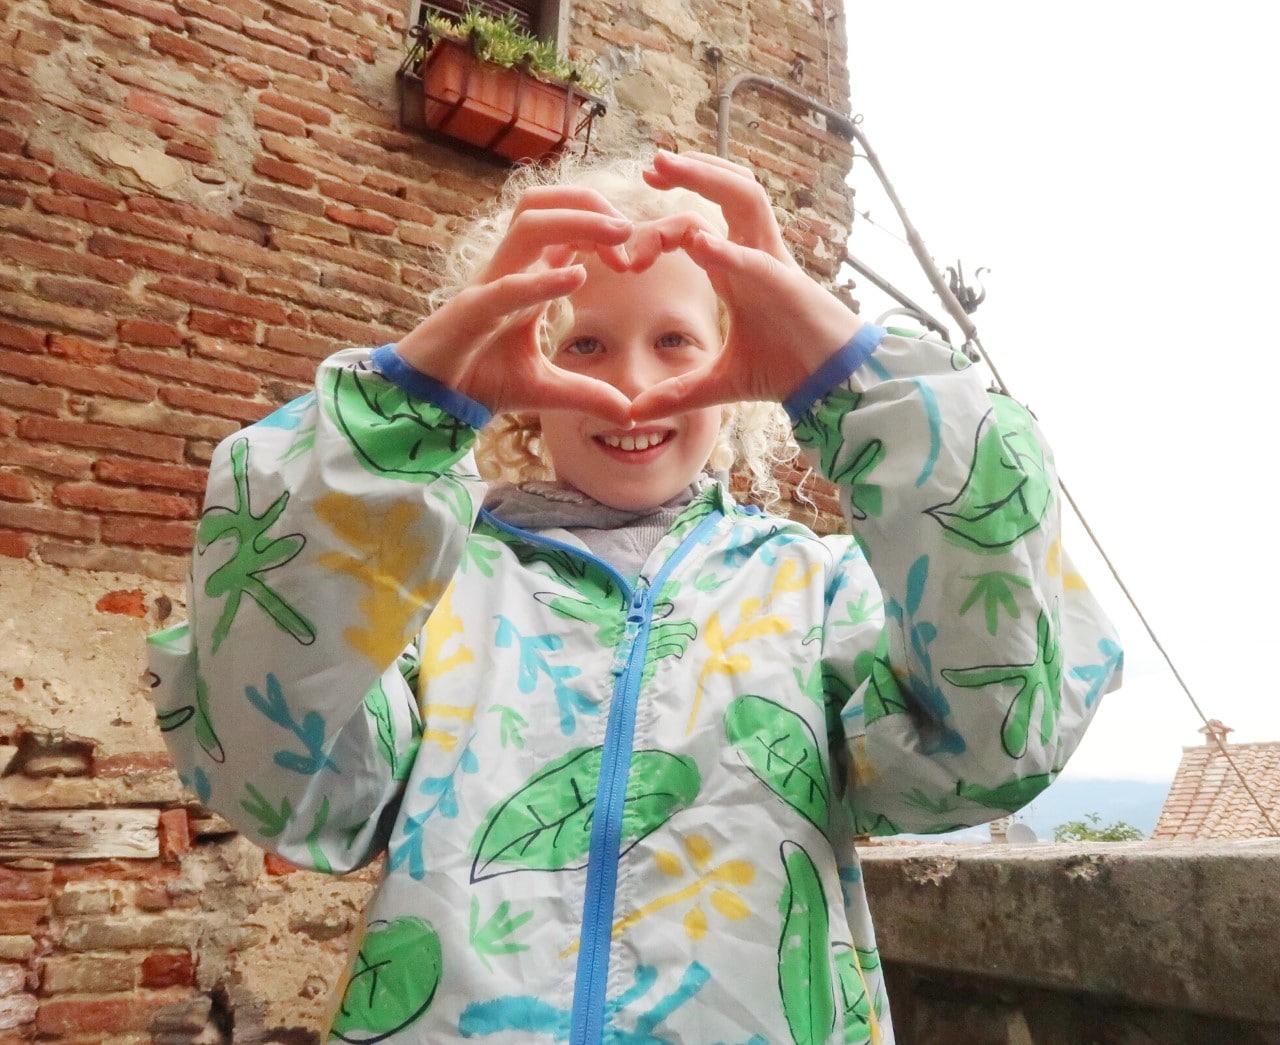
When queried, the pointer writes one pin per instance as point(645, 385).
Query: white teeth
point(633, 442)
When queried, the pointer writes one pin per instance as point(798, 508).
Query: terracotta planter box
point(504, 111)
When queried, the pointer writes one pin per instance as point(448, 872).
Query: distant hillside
point(1136, 802)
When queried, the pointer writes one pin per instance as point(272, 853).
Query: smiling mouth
point(635, 442)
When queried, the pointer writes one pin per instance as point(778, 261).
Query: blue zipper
point(587, 1026)
point(588, 1016)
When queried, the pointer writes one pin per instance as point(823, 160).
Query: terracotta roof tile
point(1207, 800)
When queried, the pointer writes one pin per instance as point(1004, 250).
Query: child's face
point(632, 331)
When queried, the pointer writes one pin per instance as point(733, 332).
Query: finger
point(566, 390)
point(475, 311)
point(614, 257)
point(747, 209)
point(708, 386)
point(663, 235)
point(564, 197)
point(533, 231)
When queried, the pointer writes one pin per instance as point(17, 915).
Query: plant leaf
point(783, 754)
point(546, 824)
point(804, 974)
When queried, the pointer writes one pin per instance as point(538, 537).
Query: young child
point(616, 733)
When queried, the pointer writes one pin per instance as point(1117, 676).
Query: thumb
point(677, 395)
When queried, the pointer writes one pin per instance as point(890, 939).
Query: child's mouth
point(635, 442)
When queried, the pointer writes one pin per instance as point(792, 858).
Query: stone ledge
point(1186, 926)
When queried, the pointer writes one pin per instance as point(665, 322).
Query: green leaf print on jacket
point(1039, 681)
point(820, 430)
point(783, 754)
point(546, 824)
point(1011, 796)
point(855, 1002)
point(392, 433)
point(254, 555)
point(393, 980)
point(1007, 492)
point(804, 966)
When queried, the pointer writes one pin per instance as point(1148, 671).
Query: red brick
point(156, 417)
point(126, 530)
point(163, 566)
point(250, 75)
point(218, 14)
point(302, 152)
point(370, 287)
point(293, 222)
point(256, 359)
point(157, 258)
point(284, 41)
point(25, 338)
point(33, 226)
point(354, 333)
point(57, 259)
point(74, 375)
point(14, 487)
point(46, 520)
point(118, 499)
point(175, 834)
point(223, 300)
point(275, 864)
point(19, 884)
point(188, 150)
point(162, 109)
point(276, 195)
point(361, 220)
point(181, 48)
point(306, 112)
point(131, 602)
point(147, 332)
point(91, 352)
point(186, 217)
point(302, 344)
point(168, 970)
point(186, 369)
point(99, 1014)
point(79, 185)
point(343, 62)
point(16, 545)
point(360, 196)
point(61, 463)
point(32, 397)
point(80, 293)
point(237, 44)
point(218, 325)
point(208, 403)
point(161, 15)
point(274, 120)
point(127, 221)
point(149, 473)
point(270, 167)
point(106, 437)
point(250, 255)
point(27, 306)
point(23, 170)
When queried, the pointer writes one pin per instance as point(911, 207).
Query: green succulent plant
point(503, 41)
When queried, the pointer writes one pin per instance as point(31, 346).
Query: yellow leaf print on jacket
point(752, 626)
point(722, 880)
point(441, 626)
point(387, 553)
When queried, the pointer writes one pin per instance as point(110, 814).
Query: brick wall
point(198, 201)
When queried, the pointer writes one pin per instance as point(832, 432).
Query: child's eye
point(672, 340)
point(582, 346)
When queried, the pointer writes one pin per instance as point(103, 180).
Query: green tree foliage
point(1092, 829)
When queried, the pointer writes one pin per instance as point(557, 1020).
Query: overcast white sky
point(1114, 166)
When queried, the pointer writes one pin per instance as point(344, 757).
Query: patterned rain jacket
point(616, 811)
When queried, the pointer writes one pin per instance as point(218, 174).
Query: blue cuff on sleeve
point(855, 352)
point(387, 363)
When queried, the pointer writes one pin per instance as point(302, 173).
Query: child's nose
point(632, 373)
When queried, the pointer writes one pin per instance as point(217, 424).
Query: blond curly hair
point(755, 437)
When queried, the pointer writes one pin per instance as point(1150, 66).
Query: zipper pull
point(636, 614)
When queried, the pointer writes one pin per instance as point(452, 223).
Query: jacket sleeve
point(330, 530)
point(967, 696)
